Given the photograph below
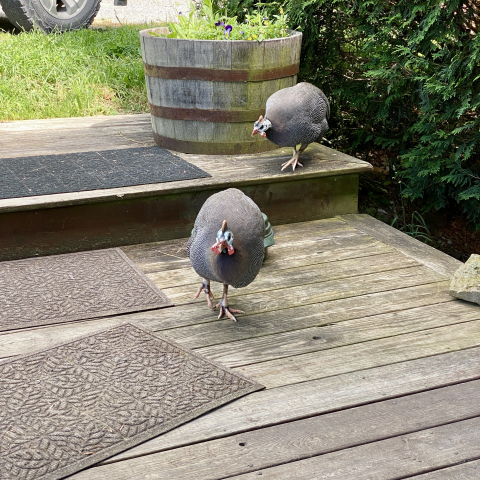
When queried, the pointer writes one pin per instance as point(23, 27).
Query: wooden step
point(326, 186)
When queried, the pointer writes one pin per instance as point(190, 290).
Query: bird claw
point(226, 310)
point(205, 286)
point(293, 162)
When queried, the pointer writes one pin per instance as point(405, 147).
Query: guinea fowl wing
point(298, 115)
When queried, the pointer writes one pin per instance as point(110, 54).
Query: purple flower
point(264, 18)
point(219, 23)
point(228, 29)
point(241, 32)
point(179, 13)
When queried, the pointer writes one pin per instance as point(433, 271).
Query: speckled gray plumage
point(245, 221)
point(298, 115)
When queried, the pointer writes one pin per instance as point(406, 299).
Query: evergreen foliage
point(402, 75)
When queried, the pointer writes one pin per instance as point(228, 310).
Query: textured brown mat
point(74, 286)
point(68, 407)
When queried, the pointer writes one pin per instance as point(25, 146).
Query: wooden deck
point(372, 370)
point(69, 222)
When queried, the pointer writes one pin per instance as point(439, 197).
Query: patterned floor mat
point(74, 286)
point(73, 405)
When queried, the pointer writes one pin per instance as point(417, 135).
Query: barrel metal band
point(221, 116)
point(217, 75)
point(211, 148)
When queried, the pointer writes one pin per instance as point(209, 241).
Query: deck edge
point(424, 254)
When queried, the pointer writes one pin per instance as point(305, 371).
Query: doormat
point(78, 172)
point(73, 405)
point(74, 286)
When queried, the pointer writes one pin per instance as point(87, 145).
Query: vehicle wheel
point(51, 15)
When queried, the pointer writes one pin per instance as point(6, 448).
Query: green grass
point(75, 74)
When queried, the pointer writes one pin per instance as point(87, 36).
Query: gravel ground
point(141, 11)
point(137, 11)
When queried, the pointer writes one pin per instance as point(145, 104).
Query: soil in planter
point(445, 229)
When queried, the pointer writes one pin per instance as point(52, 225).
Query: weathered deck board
point(412, 247)
point(314, 339)
point(257, 304)
point(161, 256)
point(266, 447)
point(359, 356)
point(251, 326)
point(465, 471)
point(394, 458)
point(303, 400)
point(385, 331)
point(308, 294)
point(326, 313)
point(274, 279)
point(303, 260)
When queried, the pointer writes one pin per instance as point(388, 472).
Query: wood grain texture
point(423, 253)
point(266, 447)
point(304, 257)
point(393, 458)
point(369, 354)
point(311, 293)
point(331, 233)
point(221, 95)
point(46, 229)
point(465, 471)
point(304, 400)
point(251, 326)
point(324, 337)
point(323, 315)
point(274, 279)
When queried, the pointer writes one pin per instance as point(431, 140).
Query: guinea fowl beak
point(255, 131)
point(220, 246)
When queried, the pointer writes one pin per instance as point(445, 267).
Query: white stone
point(466, 281)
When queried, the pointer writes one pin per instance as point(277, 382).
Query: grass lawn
point(75, 74)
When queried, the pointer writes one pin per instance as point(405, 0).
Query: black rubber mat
point(70, 406)
point(78, 172)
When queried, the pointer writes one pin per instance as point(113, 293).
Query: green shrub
point(401, 75)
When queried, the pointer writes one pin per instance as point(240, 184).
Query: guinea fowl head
point(261, 126)
point(224, 241)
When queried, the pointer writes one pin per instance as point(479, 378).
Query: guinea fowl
point(295, 116)
point(227, 244)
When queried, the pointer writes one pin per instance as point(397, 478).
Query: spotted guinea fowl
point(295, 116)
point(226, 245)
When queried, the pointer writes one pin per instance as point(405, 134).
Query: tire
point(51, 15)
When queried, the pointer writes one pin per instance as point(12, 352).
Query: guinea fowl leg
point(294, 161)
point(205, 286)
point(224, 308)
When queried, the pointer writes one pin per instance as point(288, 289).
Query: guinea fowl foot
point(293, 162)
point(205, 286)
point(224, 308)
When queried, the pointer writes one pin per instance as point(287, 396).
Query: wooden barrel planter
point(205, 95)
